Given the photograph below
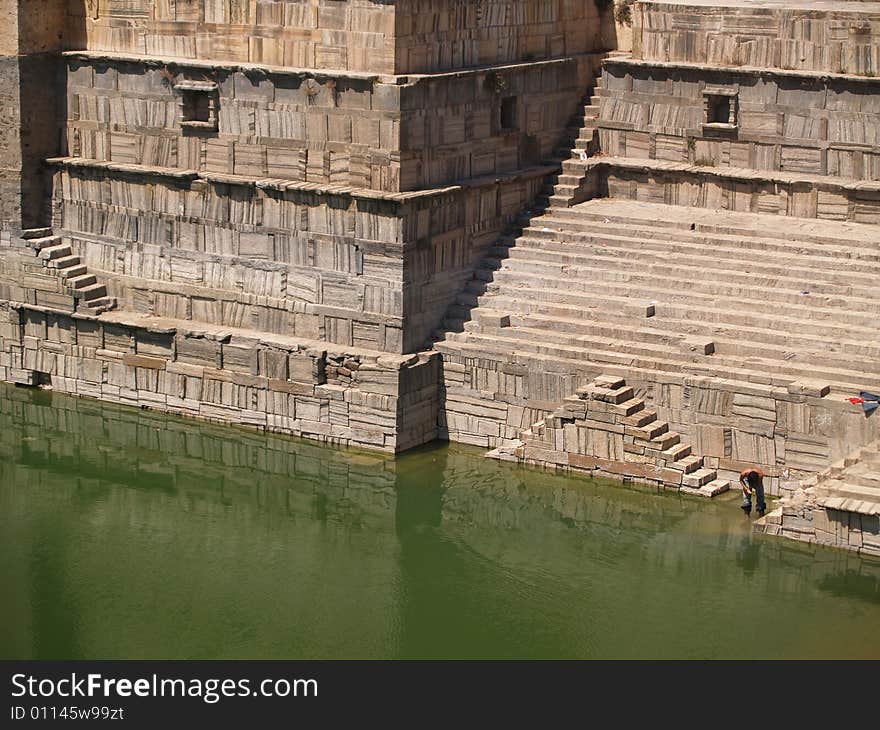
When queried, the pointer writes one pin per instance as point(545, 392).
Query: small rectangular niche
point(720, 110)
point(507, 120)
point(198, 102)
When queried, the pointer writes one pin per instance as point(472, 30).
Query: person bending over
point(752, 481)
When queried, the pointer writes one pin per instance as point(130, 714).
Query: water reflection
point(126, 533)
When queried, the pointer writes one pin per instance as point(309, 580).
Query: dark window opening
point(508, 113)
point(198, 105)
point(718, 111)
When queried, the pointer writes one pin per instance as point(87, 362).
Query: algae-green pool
point(130, 534)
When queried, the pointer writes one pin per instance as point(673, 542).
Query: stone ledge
point(821, 182)
point(315, 73)
point(281, 185)
point(739, 70)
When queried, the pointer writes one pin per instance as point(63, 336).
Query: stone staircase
point(57, 259)
point(586, 145)
point(582, 143)
point(838, 507)
point(606, 430)
point(636, 286)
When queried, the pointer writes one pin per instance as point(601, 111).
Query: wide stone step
point(573, 223)
point(589, 247)
point(699, 478)
point(735, 341)
point(850, 490)
point(93, 291)
point(65, 262)
point(768, 228)
point(548, 343)
point(798, 274)
point(588, 361)
point(82, 281)
point(72, 272)
point(55, 252)
point(737, 338)
point(470, 346)
point(697, 308)
point(681, 283)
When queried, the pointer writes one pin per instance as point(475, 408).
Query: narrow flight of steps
point(648, 287)
point(58, 258)
point(839, 507)
point(580, 143)
point(604, 429)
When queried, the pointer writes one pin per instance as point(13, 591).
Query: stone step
point(699, 308)
point(666, 441)
point(641, 418)
point(712, 489)
point(99, 305)
point(31, 234)
point(582, 218)
point(585, 361)
point(678, 452)
point(699, 478)
point(527, 269)
point(55, 252)
point(687, 464)
point(93, 291)
point(65, 262)
point(43, 242)
point(798, 274)
point(544, 345)
point(849, 490)
point(623, 243)
point(82, 281)
point(735, 338)
point(71, 272)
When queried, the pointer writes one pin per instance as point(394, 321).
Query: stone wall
point(439, 35)
point(287, 126)
point(31, 34)
point(10, 143)
point(817, 126)
point(335, 395)
point(736, 189)
point(402, 37)
point(357, 35)
point(839, 37)
point(389, 135)
point(474, 124)
point(486, 401)
point(353, 270)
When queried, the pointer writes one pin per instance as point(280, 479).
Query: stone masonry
point(377, 223)
point(284, 195)
point(711, 240)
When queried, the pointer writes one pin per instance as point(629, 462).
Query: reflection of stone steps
point(606, 429)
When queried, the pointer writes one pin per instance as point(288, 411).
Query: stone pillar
point(31, 37)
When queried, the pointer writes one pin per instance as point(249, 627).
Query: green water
point(127, 534)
